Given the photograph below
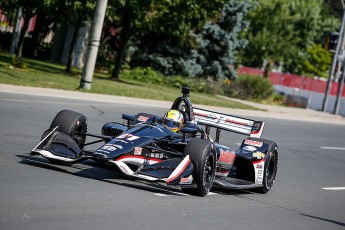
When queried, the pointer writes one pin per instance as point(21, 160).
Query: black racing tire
point(203, 156)
point(270, 169)
point(71, 123)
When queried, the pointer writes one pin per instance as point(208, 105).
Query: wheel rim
point(209, 170)
point(80, 139)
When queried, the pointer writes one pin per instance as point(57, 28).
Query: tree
point(165, 19)
point(220, 41)
point(282, 31)
point(129, 17)
point(317, 62)
point(206, 50)
point(78, 13)
point(29, 9)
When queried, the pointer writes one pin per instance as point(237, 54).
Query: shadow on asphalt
point(323, 219)
point(100, 172)
point(107, 173)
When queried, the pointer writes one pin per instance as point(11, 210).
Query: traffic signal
point(332, 41)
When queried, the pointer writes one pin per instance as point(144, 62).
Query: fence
point(294, 81)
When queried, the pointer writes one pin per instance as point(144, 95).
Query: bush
point(19, 63)
point(148, 75)
point(144, 74)
point(249, 88)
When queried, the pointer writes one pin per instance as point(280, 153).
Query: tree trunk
point(72, 47)
point(119, 60)
point(22, 37)
point(37, 34)
point(16, 32)
point(124, 38)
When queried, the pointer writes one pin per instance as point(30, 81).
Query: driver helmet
point(174, 120)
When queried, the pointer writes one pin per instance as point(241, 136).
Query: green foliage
point(249, 88)
point(220, 41)
point(279, 99)
point(317, 63)
point(148, 75)
point(19, 63)
point(208, 51)
point(282, 31)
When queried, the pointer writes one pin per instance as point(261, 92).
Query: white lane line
point(161, 194)
point(333, 148)
point(238, 143)
point(212, 193)
point(180, 194)
point(334, 188)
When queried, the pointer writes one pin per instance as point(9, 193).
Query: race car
point(146, 147)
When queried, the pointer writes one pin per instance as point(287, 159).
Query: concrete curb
point(278, 112)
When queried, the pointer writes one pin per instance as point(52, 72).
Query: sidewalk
point(272, 111)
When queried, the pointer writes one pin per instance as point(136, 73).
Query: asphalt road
point(87, 196)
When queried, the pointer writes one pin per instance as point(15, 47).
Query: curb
point(277, 112)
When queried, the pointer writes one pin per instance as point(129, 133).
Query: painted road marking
point(180, 194)
point(334, 188)
point(333, 148)
point(161, 194)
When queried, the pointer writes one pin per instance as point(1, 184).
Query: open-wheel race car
point(160, 149)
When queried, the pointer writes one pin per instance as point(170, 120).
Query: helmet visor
point(172, 125)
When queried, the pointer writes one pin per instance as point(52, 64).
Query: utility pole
point(340, 90)
point(335, 59)
point(95, 36)
point(16, 31)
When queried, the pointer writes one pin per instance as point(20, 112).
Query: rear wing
point(227, 122)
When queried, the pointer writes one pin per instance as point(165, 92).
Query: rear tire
point(71, 123)
point(203, 156)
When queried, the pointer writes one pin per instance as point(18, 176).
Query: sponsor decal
point(124, 169)
point(188, 180)
point(259, 166)
point(209, 116)
point(225, 161)
point(232, 121)
point(103, 151)
point(110, 147)
point(226, 157)
point(161, 130)
point(253, 143)
point(129, 137)
point(259, 180)
point(142, 118)
point(250, 148)
point(137, 151)
point(155, 155)
point(259, 155)
point(259, 171)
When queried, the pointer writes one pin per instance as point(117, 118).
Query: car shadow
point(324, 219)
point(101, 172)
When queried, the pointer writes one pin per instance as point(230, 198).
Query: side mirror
point(128, 117)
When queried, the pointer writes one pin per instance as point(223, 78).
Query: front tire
point(202, 154)
point(270, 169)
point(72, 123)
